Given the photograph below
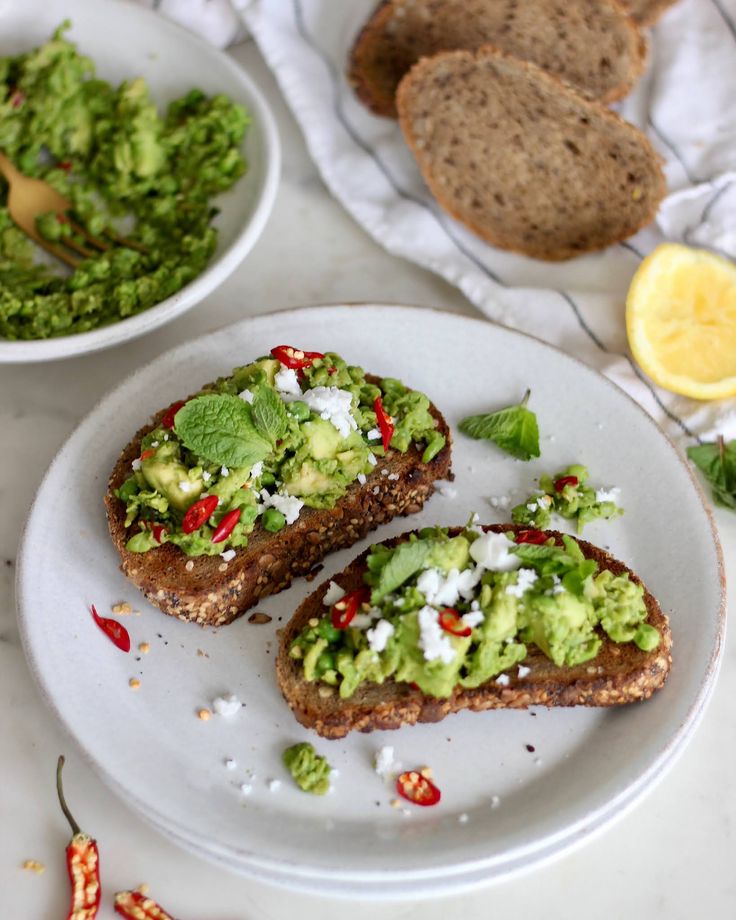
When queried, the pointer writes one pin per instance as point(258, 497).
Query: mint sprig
point(405, 560)
point(269, 414)
point(513, 429)
point(717, 462)
point(220, 428)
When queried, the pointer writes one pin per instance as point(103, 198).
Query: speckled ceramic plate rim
point(222, 264)
point(408, 884)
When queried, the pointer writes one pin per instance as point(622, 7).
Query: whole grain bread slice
point(211, 592)
point(646, 12)
point(620, 673)
point(591, 44)
point(524, 161)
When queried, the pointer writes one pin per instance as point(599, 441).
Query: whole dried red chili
point(295, 358)
point(137, 906)
point(417, 788)
point(82, 863)
point(565, 481)
point(115, 631)
point(343, 612)
point(451, 621)
point(385, 422)
point(226, 525)
point(168, 419)
point(199, 513)
point(531, 536)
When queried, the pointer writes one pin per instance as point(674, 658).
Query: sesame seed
point(204, 715)
point(134, 683)
point(144, 648)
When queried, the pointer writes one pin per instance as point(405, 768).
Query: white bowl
point(125, 40)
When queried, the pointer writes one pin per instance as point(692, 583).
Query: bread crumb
point(144, 648)
point(122, 609)
point(33, 865)
point(204, 715)
point(134, 683)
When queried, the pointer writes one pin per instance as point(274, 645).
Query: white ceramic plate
point(586, 768)
point(126, 40)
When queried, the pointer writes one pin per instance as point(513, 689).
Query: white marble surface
point(672, 857)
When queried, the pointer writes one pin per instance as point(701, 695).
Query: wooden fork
point(30, 198)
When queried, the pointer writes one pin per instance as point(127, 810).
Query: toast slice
point(522, 160)
point(208, 591)
point(591, 44)
point(646, 12)
point(620, 673)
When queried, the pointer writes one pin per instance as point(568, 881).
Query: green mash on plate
point(125, 168)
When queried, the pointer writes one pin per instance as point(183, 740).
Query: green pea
point(273, 520)
point(267, 479)
point(300, 410)
point(325, 662)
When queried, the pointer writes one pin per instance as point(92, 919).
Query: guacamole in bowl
point(158, 139)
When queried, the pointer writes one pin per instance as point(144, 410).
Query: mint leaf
point(269, 414)
point(219, 428)
point(717, 462)
point(406, 560)
point(513, 429)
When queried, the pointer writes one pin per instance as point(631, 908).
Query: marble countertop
point(672, 856)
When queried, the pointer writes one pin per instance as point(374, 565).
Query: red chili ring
point(343, 612)
point(565, 481)
point(416, 788)
point(451, 621)
point(295, 358)
point(199, 513)
point(226, 525)
point(532, 536)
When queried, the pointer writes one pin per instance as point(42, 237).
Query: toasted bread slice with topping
point(620, 673)
point(591, 44)
point(522, 160)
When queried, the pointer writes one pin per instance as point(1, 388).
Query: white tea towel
point(685, 103)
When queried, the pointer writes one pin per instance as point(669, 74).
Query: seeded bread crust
point(524, 161)
point(591, 44)
point(646, 12)
point(618, 674)
point(213, 593)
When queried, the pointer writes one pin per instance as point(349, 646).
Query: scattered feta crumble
point(495, 801)
point(136, 464)
point(228, 555)
point(384, 764)
point(185, 485)
point(206, 476)
point(379, 635)
point(473, 619)
point(374, 435)
point(463, 818)
point(333, 405)
point(246, 396)
point(287, 383)
point(446, 490)
point(230, 764)
point(523, 670)
point(288, 505)
point(362, 478)
point(444, 590)
point(524, 580)
point(224, 471)
point(501, 502)
point(432, 641)
point(333, 594)
point(227, 706)
point(607, 495)
point(503, 680)
point(372, 459)
point(274, 785)
point(246, 788)
point(256, 470)
point(492, 551)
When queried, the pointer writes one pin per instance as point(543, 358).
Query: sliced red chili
point(417, 788)
point(168, 420)
point(295, 358)
point(226, 525)
point(531, 536)
point(147, 453)
point(82, 863)
point(115, 631)
point(385, 422)
point(137, 906)
point(159, 532)
point(199, 513)
point(62, 219)
point(17, 99)
point(451, 621)
point(343, 612)
point(66, 165)
point(565, 481)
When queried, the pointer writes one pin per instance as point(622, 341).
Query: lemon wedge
point(681, 321)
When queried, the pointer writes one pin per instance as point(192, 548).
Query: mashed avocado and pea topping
point(568, 495)
point(126, 170)
point(442, 612)
point(257, 446)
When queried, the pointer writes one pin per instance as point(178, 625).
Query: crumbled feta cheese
point(473, 619)
point(379, 635)
point(446, 490)
point(154, 443)
point(607, 495)
point(227, 706)
point(500, 501)
point(432, 641)
point(136, 464)
point(444, 590)
point(384, 764)
point(333, 594)
point(393, 477)
point(256, 470)
point(274, 785)
point(333, 405)
point(246, 788)
point(463, 818)
point(362, 478)
point(224, 471)
point(532, 506)
point(523, 670)
point(228, 555)
point(166, 437)
point(288, 505)
point(524, 580)
point(557, 586)
point(185, 485)
point(230, 763)
point(246, 396)
point(287, 384)
point(372, 459)
point(364, 620)
point(495, 801)
point(493, 551)
point(206, 476)
point(503, 680)
point(374, 435)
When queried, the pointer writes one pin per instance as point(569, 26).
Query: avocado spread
point(444, 611)
point(567, 494)
point(310, 770)
point(127, 171)
point(260, 444)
